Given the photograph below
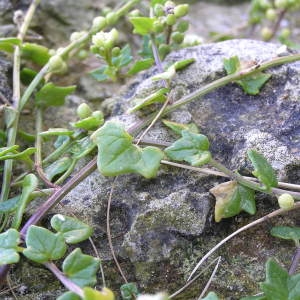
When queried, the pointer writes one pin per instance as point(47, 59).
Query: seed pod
point(182, 26)
point(57, 64)
point(286, 201)
point(158, 27)
point(271, 14)
point(115, 51)
point(83, 111)
point(181, 10)
point(171, 19)
point(177, 37)
point(266, 33)
point(164, 50)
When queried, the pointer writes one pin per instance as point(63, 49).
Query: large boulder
point(161, 227)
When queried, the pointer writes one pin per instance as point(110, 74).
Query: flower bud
point(159, 10)
point(177, 37)
point(266, 33)
point(98, 24)
point(105, 40)
point(98, 115)
point(271, 14)
point(158, 27)
point(181, 10)
point(286, 201)
point(77, 35)
point(285, 33)
point(116, 51)
point(171, 19)
point(56, 64)
point(111, 18)
point(281, 4)
point(83, 111)
point(182, 26)
point(164, 50)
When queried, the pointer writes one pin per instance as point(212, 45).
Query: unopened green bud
point(56, 64)
point(116, 51)
point(77, 35)
point(105, 40)
point(281, 4)
point(98, 115)
point(271, 14)
point(158, 27)
point(286, 201)
point(182, 26)
point(98, 24)
point(105, 10)
point(177, 37)
point(111, 18)
point(285, 33)
point(266, 33)
point(265, 4)
point(82, 54)
point(164, 50)
point(159, 10)
point(171, 19)
point(83, 111)
point(181, 10)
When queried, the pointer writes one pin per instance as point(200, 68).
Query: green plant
point(118, 150)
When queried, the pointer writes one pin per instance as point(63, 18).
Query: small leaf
point(231, 199)
point(146, 50)
point(10, 205)
point(73, 230)
point(211, 296)
point(24, 156)
point(8, 44)
point(52, 95)
point(232, 65)
point(30, 183)
point(81, 268)
point(142, 25)
point(99, 74)
point(168, 75)
point(141, 65)
point(27, 75)
point(179, 65)
point(90, 123)
point(253, 83)
point(6, 150)
point(129, 291)
point(69, 296)
point(81, 148)
point(36, 53)
point(286, 233)
point(192, 148)
point(43, 245)
point(262, 169)
point(58, 167)
point(9, 241)
point(104, 294)
point(158, 96)
point(178, 127)
point(117, 155)
point(124, 58)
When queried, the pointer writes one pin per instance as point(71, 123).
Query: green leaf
point(69, 296)
point(179, 65)
point(158, 96)
point(117, 155)
point(43, 245)
point(142, 25)
point(262, 169)
point(211, 296)
point(58, 167)
point(141, 65)
point(260, 297)
point(27, 75)
point(192, 148)
point(56, 132)
point(52, 95)
point(24, 155)
point(10, 205)
point(25, 136)
point(90, 123)
point(9, 241)
point(99, 74)
point(104, 294)
point(73, 230)
point(253, 83)
point(81, 268)
point(8, 44)
point(231, 199)
point(286, 233)
point(168, 75)
point(231, 65)
point(275, 286)
point(129, 291)
point(178, 127)
point(6, 150)
point(30, 183)
point(146, 50)
point(124, 59)
point(36, 53)
point(81, 148)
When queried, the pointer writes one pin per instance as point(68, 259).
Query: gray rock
point(5, 84)
point(161, 227)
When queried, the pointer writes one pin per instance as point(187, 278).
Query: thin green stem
point(67, 173)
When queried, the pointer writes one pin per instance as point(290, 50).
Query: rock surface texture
point(161, 227)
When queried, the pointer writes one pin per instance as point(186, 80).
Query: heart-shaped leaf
point(117, 155)
point(262, 169)
point(58, 167)
point(231, 199)
point(81, 268)
point(9, 241)
point(192, 148)
point(43, 245)
point(73, 230)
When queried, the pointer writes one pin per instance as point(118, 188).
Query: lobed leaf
point(231, 199)
point(73, 230)
point(141, 65)
point(81, 268)
point(117, 155)
point(9, 241)
point(286, 233)
point(192, 148)
point(262, 169)
point(142, 25)
point(43, 245)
